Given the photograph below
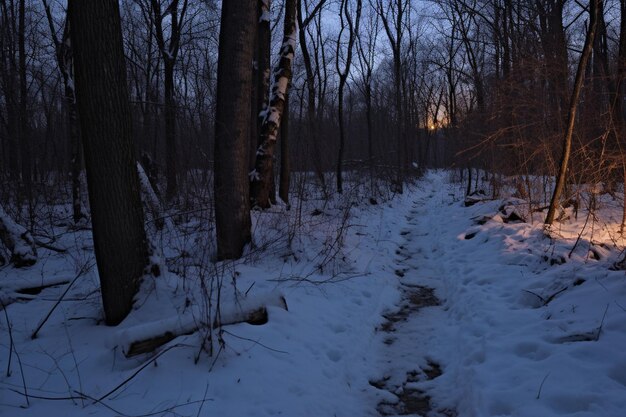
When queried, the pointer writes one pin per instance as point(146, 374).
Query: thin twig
point(256, 342)
point(17, 355)
point(541, 385)
point(83, 270)
point(206, 389)
point(134, 374)
point(6, 316)
point(602, 322)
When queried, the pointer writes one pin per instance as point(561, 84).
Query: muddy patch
point(408, 399)
point(415, 298)
point(411, 401)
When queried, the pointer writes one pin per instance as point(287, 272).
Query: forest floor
point(416, 306)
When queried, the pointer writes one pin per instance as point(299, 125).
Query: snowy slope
point(513, 335)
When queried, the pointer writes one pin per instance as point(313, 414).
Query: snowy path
point(409, 359)
point(423, 308)
point(490, 349)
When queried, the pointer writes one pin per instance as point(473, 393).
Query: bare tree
point(261, 175)
point(232, 128)
point(594, 5)
point(366, 53)
point(169, 52)
point(304, 19)
point(393, 15)
point(64, 58)
point(345, 17)
point(118, 225)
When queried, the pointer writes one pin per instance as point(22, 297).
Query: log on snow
point(26, 290)
point(150, 198)
point(147, 337)
point(18, 241)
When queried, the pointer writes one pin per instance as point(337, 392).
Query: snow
point(522, 329)
point(18, 240)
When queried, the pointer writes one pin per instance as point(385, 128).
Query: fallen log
point(18, 241)
point(151, 200)
point(26, 290)
point(145, 338)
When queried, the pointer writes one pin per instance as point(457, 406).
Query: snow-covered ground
point(513, 326)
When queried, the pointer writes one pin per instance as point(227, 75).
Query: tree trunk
point(76, 159)
point(105, 116)
point(263, 83)
point(24, 137)
point(311, 115)
point(567, 139)
point(63, 50)
point(232, 128)
point(261, 176)
point(169, 51)
point(370, 140)
point(618, 112)
point(353, 28)
point(170, 130)
point(285, 167)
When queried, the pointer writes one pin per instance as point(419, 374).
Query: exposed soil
point(416, 297)
point(411, 401)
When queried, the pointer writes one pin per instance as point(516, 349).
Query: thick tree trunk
point(105, 115)
point(567, 139)
point(261, 177)
point(232, 128)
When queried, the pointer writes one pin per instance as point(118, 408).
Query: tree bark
point(264, 39)
point(261, 176)
point(170, 131)
point(567, 139)
point(285, 166)
point(232, 128)
point(103, 103)
point(617, 108)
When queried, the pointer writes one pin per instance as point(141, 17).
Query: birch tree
point(260, 177)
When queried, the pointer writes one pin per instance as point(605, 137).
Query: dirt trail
point(406, 360)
